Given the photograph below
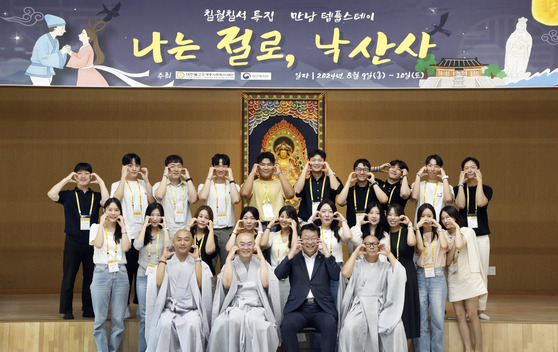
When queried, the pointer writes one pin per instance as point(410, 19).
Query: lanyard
point(115, 244)
point(156, 248)
point(139, 190)
point(365, 201)
point(200, 244)
point(398, 240)
point(217, 196)
point(330, 238)
point(266, 191)
point(323, 187)
point(93, 199)
point(391, 194)
point(424, 253)
point(424, 195)
point(174, 199)
point(279, 249)
point(476, 205)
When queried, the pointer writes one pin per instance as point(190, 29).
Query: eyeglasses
point(310, 240)
point(246, 244)
point(371, 244)
point(362, 169)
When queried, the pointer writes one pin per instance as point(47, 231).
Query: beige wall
point(513, 132)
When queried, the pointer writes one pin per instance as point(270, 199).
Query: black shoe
point(68, 316)
point(88, 314)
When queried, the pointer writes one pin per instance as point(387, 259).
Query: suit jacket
point(325, 269)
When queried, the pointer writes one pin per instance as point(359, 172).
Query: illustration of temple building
point(448, 67)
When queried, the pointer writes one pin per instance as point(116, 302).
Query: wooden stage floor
point(30, 322)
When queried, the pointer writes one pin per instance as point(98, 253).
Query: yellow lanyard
point(200, 243)
point(424, 253)
point(217, 196)
point(92, 200)
point(139, 190)
point(156, 247)
point(279, 249)
point(330, 238)
point(424, 195)
point(398, 240)
point(115, 244)
point(266, 191)
point(476, 205)
point(323, 187)
point(390, 195)
point(365, 201)
point(174, 199)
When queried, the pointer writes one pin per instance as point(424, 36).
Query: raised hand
point(385, 167)
point(125, 171)
point(232, 253)
point(184, 173)
point(383, 249)
point(167, 252)
point(352, 178)
point(229, 175)
point(144, 173)
point(194, 254)
point(71, 177)
point(211, 173)
point(296, 247)
point(422, 172)
point(370, 177)
point(404, 220)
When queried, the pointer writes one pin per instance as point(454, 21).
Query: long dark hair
point(118, 229)
point(194, 228)
point(452, 212)
point(148, 236)
point(421, 210)
point(382, 225)
point(291, 213)
point(334, 223)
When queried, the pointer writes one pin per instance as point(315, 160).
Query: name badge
point(222, 219)
point(472, 221)
point(150, 269)
point(113, 266)
point(84, 222)
point(315, 207)
point(267, 211)
point(138, 218)
point(359, 216)
point(453, 267)
point(179, 216)
point(429, 271)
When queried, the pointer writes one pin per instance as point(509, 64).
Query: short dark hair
point(470, 158)
point(217, 157)
point(173, 159)
point(317, 152)
point(400, 163)
point(265, 155)
point(250, 209)
point(397, 208)
point(310, 227)
point(452, 212)
point(130, 157)
point(364, 162)
point(83, 167)
point(436, 157)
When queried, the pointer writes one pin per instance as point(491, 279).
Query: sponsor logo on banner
point(255, 76)
point(229, 76)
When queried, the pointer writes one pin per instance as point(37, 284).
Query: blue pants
point(433, 292)
point(141, 290)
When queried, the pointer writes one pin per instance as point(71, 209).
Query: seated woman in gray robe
point(178, 300)
point(371, 297)
point(246, 306)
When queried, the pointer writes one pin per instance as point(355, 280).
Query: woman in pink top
point(83, 60)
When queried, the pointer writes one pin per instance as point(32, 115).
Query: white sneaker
point(483, 316)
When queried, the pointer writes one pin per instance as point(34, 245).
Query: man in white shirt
point(220, 192)
point(134, 193)
point(176, 192)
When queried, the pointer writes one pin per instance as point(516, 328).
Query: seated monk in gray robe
point(178, 300)
point(371, 297)
point(246, 306)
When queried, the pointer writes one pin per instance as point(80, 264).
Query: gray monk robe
point(178, 314)
point(370, 305)
point(246, 317)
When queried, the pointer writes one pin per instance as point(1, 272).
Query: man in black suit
point(310, 267)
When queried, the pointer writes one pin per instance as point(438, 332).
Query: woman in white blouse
point(110, 279)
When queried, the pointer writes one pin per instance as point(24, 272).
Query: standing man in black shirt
point(318, 186)
point(472, 201)
point(81, 210)
point(396, 186)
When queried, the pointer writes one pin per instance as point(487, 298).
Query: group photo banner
point(265, 44)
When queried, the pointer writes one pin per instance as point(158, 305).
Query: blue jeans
point(141, 291)
point(109, 288)
point(433, 292)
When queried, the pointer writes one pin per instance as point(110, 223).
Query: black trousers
point(132, 257)
point(76, 253)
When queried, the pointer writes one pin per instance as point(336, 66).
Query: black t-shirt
point(312, 191)
point(360, 201)
point(482, 215)
point(396, 197)
point(207, 258)
point(71, 214)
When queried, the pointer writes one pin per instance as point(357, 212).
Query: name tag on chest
point(472, 221)
point(113, 266)
point(84, 222)
point(150, 269)
point(267, 211)
point(429, 271)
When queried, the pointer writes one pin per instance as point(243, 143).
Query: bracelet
point(461, 185)
point(165, 175)
point(198, 260)
point(375, 169)
point(189, 179)
point(410, 227)
point(332, 174)
point(165, 229)
point(207, 179)
point(163, 261)
point(232, 181)
point(404, 176)
point(445, 177)
point(374, 183)
point(260, 232)
point(419, 175)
